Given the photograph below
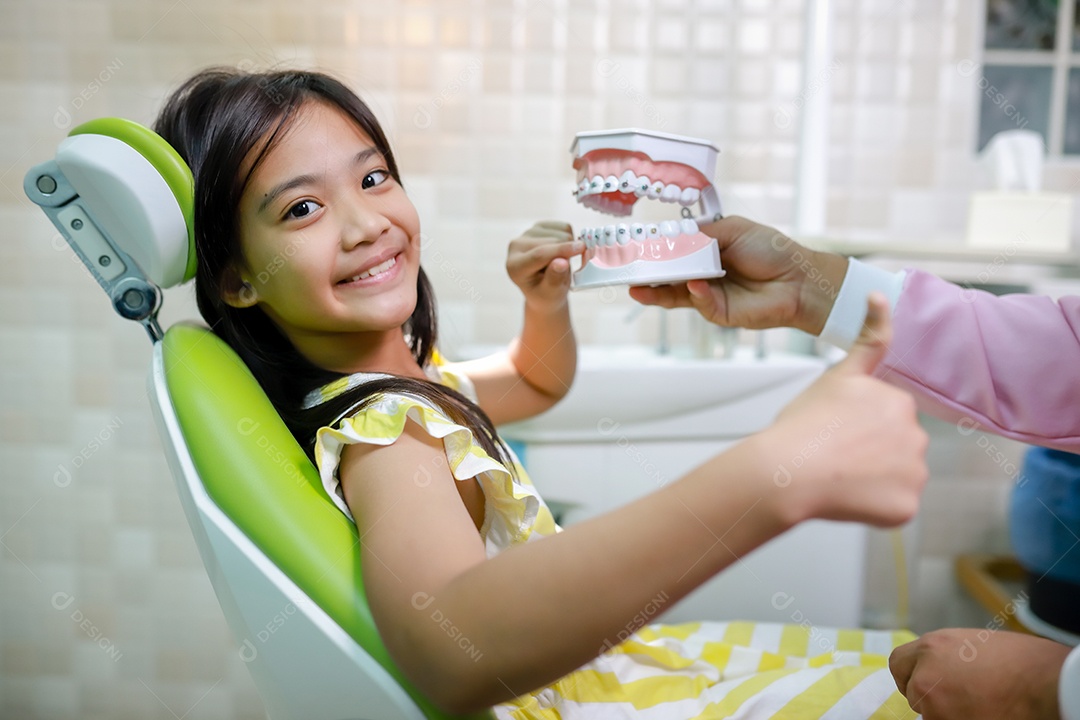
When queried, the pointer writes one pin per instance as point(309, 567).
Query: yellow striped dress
point(661, 672)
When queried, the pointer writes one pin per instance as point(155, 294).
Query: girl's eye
point(301, 209)
point(374, 178)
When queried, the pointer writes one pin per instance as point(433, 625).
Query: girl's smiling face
point(330, 241)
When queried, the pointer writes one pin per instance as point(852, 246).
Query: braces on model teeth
point(615, 169)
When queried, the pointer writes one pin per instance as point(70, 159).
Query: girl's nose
point(362, 223)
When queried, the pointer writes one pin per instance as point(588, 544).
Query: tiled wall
point(105, 610)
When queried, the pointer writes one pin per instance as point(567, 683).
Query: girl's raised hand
point(539, 263)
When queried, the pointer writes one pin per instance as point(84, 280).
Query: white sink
point(637, 393)
point(635, 421)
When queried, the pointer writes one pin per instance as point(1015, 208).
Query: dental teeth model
point(615, 168)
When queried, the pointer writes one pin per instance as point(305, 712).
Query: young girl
point(309, 267)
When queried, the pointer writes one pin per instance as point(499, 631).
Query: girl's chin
point(385, 322)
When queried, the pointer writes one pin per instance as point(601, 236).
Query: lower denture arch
point(651, 250)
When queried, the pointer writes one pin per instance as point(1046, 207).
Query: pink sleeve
point(1008, 364)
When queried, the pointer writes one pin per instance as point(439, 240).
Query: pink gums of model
point(614, 170)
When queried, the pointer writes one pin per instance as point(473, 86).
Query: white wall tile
point(480, 105)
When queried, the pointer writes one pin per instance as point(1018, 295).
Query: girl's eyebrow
point(360, 158)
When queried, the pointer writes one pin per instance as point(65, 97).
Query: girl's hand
point(539, 263)
point(850, 446)
point(771, 281)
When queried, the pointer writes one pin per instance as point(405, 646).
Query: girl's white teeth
point(380, 268)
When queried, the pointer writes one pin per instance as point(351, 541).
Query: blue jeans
point(1044, 522)
point(1044, 517)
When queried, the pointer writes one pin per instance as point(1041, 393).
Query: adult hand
point(850, 446)
point(771, 281)
point(965, 673)
point(539, 263)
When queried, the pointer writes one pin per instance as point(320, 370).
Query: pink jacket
point(1006, 365)
point(1009, 363)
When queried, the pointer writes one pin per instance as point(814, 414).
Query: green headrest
point(164, 158)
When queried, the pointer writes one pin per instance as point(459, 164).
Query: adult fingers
point(666, 296)
point(902, 664)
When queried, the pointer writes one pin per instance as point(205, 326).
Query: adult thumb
point(873, 341)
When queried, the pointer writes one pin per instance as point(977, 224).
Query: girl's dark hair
point(216, 121)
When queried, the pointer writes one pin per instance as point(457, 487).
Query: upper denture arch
point(621, 177)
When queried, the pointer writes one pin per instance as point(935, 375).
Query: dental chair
point(283, 561)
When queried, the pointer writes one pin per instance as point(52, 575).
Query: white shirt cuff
point(1069, 687)
point(849, 310)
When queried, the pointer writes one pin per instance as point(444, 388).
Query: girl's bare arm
point(472, 632)
point(538, 368)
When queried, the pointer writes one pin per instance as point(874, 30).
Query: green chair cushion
point(258, 475)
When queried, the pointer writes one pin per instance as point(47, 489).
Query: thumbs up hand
point(850, 446)
point(873, 341)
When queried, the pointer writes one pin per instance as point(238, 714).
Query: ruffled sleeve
point(513, 511)
point(440, 372)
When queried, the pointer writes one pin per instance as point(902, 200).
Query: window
point(1031, 72)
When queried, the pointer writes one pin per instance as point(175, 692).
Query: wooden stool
point(983, 577)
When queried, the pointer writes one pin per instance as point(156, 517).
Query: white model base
point(700, 264)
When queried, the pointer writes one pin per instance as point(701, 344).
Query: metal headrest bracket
point(122, 198)
point(133, 296)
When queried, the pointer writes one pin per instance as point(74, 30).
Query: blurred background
point(105, 608)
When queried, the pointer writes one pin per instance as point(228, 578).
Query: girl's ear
point(236, 291)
